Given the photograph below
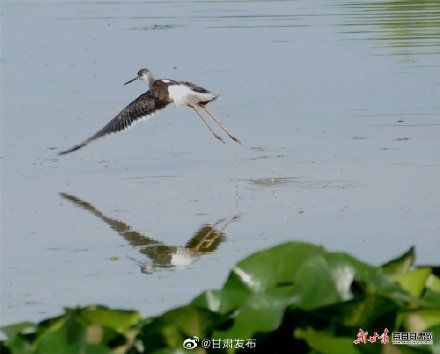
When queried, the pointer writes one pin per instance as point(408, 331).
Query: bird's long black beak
point(136, 78)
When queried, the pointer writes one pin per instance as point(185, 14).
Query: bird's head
point(145, 75)
point(144, 72)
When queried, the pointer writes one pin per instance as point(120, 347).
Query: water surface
point(336, 103)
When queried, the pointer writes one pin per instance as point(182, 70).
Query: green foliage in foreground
point(293, 298)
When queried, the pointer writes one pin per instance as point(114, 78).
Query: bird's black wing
point(194, 87)
point(142, 107)
point(204, 96)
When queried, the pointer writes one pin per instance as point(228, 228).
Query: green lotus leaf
point(271, 268)
point(419, 320)
point(433, 284)
point(262, 313)
point(68, 336)
point(19, 338)
point(401, 264)
point(414, 282)
point(329, 278)
point(222, 301)
point(326, 343)
point(435, 347)
point(118, 320)
point(173, 327)
point(372, 311)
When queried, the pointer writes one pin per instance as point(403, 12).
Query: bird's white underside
point(183, 95)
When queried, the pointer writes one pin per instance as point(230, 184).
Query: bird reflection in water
point(205, 240)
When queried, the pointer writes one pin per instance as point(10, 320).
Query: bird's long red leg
point(206, 123)
point(220, 124)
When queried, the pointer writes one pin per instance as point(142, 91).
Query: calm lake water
point(337, 104)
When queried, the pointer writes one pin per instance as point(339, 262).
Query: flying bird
point(160, 94)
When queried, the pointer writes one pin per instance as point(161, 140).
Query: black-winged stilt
point(160, 94)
